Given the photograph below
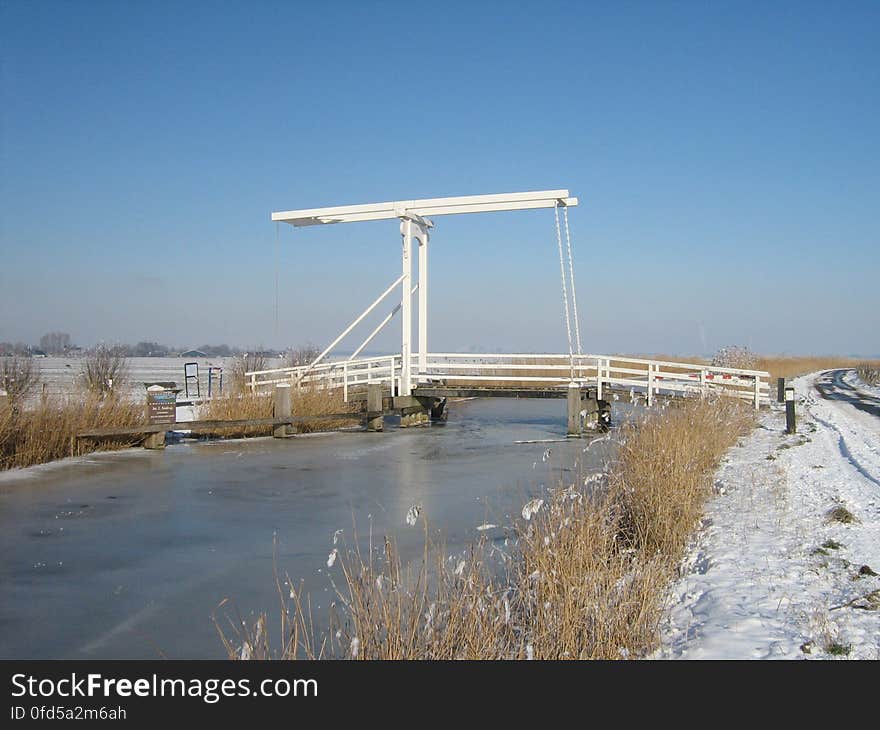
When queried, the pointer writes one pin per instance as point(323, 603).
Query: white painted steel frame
point(425, 207)
point(414, 225)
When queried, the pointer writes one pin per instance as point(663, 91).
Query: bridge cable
point(574, 301)
point(564, 290)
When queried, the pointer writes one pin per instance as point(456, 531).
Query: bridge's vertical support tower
point(423, 300)
point(413, 227)
point(406, 230)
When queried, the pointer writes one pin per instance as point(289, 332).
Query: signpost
point(161, 404)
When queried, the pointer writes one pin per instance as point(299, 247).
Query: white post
point(406, 325)
point(650, 380)
point(599, 378)
point(757, 392)
point(423, 300)
point(345, 382)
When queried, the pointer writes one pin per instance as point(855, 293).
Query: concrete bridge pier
point(283, 408)
point(414, 410)
point(575, 428)
point(155, 441)
point(375, 420)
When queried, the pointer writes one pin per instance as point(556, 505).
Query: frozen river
point(127, 555)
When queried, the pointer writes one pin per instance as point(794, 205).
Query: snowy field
point(60, 373)
point(773, 574)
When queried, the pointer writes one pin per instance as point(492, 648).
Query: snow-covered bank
point(772, 574)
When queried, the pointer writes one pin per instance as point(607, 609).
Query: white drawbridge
point(455, 373)
point(415, 226)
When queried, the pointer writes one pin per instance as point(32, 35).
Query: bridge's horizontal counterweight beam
point(426, 207)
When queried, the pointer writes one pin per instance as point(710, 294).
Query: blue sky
point(725, 154)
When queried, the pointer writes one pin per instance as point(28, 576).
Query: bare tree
point(246, 363)
point(18, 376)
point(55, 343)
point(735, 356)
point(104, 371)
point(301, 355)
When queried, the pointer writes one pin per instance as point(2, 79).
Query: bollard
point(790, 415)
point(282, 408)
point(574, 410)
point(375, 421)
point(780, 390)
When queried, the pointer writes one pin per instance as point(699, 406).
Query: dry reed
point(791, 367)
point(869, 372)
point(47, 430)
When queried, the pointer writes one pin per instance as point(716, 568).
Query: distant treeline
point(59, 343)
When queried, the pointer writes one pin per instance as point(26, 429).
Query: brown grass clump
point(47, 430)
point(841, 514)
point(584, 577)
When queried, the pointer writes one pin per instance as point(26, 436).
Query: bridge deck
point(523, 376)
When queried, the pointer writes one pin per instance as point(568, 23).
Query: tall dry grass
point(584, 577)
point(869, 372)
point(46, 430)
point(781, 366)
